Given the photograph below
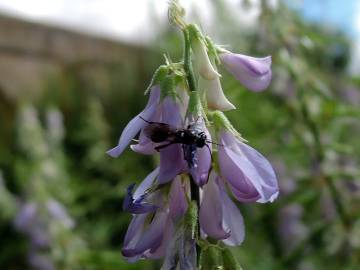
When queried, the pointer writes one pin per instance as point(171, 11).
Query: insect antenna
point(215, 143)
point(208, 147)
point(149, 122)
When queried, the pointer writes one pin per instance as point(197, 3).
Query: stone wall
point(31, 52)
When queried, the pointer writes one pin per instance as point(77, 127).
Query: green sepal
point(222, 122)
point(210, 258)
point(168, 86)
point(158, 76)
point(229, 260)
point(194, 33)
point(191, 218)
point(212, 51)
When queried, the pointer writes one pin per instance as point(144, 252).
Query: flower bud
point(202, 62)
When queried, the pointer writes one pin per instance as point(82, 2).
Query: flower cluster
point(185, 202)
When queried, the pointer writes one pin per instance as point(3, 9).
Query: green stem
point(190, 77)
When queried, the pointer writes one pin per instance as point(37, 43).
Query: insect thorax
point(189, 136)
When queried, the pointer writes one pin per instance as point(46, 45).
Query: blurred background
point(72, 74)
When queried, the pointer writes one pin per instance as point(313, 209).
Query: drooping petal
point(245, 171)
point(211, 211)
point(168, 235)
point(254, 73)
point(177, 199)
point(232, 219)
point(150, 239)
point(136, 124)
point(216, 100)
point(202, 62)
point(145, 146)
point(133, 234)
point(267, 178)
point(171, 163)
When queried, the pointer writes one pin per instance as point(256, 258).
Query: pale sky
point(123, 19)
point(131, 19)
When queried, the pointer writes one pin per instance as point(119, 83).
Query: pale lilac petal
point(240, 186)
point(211, 210)
point(136, 124)
point(162, 249)
point(177, 199)
point(134, 231)
point(216, 100)
point(232, 219)
point(146, 183)
point(254, 73)
point(150, 239)
point(267, 178)
point(249, 174)
point(171, 113)
point(145, 146)
point(133, 235)
point(171, 163)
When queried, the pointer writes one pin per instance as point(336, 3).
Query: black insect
point(190, 138)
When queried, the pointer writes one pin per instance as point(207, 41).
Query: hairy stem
point(190, 77)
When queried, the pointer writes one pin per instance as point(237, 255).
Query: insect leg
point(214, 143)
point(158, 148)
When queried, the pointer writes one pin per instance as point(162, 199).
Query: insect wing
point(159, 132)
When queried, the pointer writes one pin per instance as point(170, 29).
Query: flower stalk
point(170, 218)
point(190, 77)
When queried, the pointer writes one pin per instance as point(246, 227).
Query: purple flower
point(254, 73)
point(149, 234)
point(248, 173)
point(219, 217)
point(136, 124)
